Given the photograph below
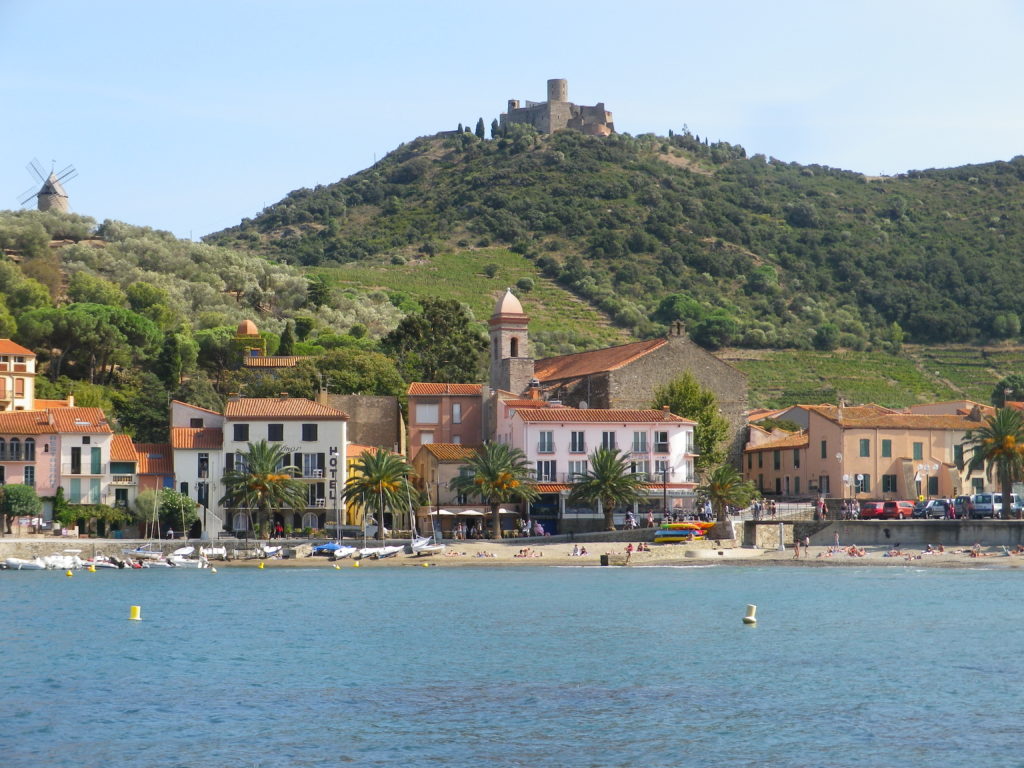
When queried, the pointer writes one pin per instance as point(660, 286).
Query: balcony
point(545, 447)
point(661, 447)
point(122, 480)
point(577, 448)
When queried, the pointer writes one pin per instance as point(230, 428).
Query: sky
point(190, 116)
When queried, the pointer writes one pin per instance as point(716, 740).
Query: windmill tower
point(51, 196)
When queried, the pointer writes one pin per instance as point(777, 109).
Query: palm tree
point(999, 448)
point(725, 487)
point(379, 483)
point(499, 474)
point(610, 482)
point(263, 480)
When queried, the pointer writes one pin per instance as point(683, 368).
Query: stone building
point(624, 376)
point(558, 113)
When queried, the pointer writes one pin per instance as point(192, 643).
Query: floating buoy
point(69, 574)
point(92, 569)
point(261, 564)
point(355, 564)
point(337, 567)
point(213, 570)
point(135, 614)
point(426, 565)
point(751, 617)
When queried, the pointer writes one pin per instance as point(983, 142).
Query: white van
point(991, 505)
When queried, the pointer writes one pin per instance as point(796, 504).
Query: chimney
point(71, 401)
point(283, 396)
point(665, 413)
point(234, 397)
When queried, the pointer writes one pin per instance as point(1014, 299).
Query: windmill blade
point(67, 174)
point(36, 168)
point(27, 195)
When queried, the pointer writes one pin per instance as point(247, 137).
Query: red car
point(871, 510)
point(897, 510)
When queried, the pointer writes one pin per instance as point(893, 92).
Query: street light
point(927, 468)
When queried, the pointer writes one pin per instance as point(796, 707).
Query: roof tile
point(8, 347)
point(154, 459)
point(25, 423)
point(601, 415)
point(431, 388)
point(80, 420)
point(594, 361)
point(281, 408)
point(122, 448)
point(186, 438)
point(450, 451)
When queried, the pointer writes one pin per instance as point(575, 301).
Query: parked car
point(937, 508)
point(985, 505)
point(871, 510)
point(897, 510)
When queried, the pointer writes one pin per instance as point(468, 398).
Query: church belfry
point(511, 366)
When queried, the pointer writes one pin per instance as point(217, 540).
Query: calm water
point(514, 667)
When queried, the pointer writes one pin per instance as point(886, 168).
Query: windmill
point(51, 196)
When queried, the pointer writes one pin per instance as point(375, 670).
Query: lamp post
point(845, 477)
point(927, 469)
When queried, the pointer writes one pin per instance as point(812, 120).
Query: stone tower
point(511, 366)
point(52, 196)
point(558, 89)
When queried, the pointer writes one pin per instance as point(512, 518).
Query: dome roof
point(508, 304)
point(247, 328)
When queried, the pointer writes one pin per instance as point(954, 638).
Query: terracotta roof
point(8, 347)
point(794, 440)
point(80, 420)
point(196, 407)
point(430, 388)
point(25, 423)
point(42, 404)
point(449, 451)
point(281, 408)
point(122, 448)
point(274, 361)
point(595, 361)
point(154, 459)
point(508, 304)
point(601, 415)
point(875, 416)
point(247, 328)
point(192, 437)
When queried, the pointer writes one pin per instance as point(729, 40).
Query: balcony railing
point(545, 447)
point(577, 448)
point(123, 480)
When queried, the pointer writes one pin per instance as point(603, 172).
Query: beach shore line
point(507, 554)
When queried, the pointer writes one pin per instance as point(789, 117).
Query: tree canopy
point(438, 343)
point(687, 398)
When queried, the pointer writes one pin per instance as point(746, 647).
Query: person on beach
point(796, 549)
point(583, 551)
point(807, 545)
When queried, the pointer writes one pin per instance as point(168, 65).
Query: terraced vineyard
point(972, 370)
point(783, 377)
point(559, 322)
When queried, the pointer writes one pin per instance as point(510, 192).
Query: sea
point(517, 666)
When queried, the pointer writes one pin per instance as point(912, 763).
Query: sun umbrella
point(471, 513)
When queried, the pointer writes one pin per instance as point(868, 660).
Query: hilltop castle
point(558, 113)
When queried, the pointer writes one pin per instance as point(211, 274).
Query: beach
point(483, 553)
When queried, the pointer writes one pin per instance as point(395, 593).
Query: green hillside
point(749, 252)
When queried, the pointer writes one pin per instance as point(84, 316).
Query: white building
point(207, 444)
point(558, 442)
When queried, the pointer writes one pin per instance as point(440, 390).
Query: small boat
point(179, 558)
point(66, 561)
point(21, 564)
point(378, 553)
point(426, 546)
point(214, 553)
point(333, 550)
point(145, 552)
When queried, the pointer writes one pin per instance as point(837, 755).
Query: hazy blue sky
point(189, 116)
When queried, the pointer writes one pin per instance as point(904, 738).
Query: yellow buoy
point(135, 614)
point(355, 564)
point(92, 569)
point(426, 565)
point(261, 564)
point(337, 567)
point(68, 573)
point(751, 617)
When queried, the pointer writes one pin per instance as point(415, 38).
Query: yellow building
point(865, 452)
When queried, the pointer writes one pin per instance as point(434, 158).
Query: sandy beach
point(507, 554)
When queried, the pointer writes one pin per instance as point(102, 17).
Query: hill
point(747, 251)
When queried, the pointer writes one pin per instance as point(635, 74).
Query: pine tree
point(480, 128)
point(494, 129)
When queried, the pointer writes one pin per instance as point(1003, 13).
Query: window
point(887, 449)
point(19, 387)
point(958, 456)
point(86, 440)
point(546, 470)
point(823, 485)
point(456, 413)
point(608, 440)
point(195, 423)
point(865, 447)
point(75, 491)
point(275, 433)
point(241, 433)
point(310, 433)
point(577, 470)
point(796, 486)
point(204, 465)
point(888, 483)
point(546, 442)
point(95, 463)
point(760, 459)
point(76, 461)
point(183, 489)
point(796, 461)
point(30, 476)
point(661, 468)
point(576, 443)
point(933, 485)
point(311, 464)
point(661, 442)
point(229, 462)
point(94, 490)
point(824, 449)
point(639, 442)
point(203, 493)
point(776, 460)
point(427, 413)
point(864, 485)
point(641, 467)
point(457, 439)
point(15, 453)
point(750, 461)
point(918, 451)
point(426, 437)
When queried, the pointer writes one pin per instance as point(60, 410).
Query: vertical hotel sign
point(332, 483)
